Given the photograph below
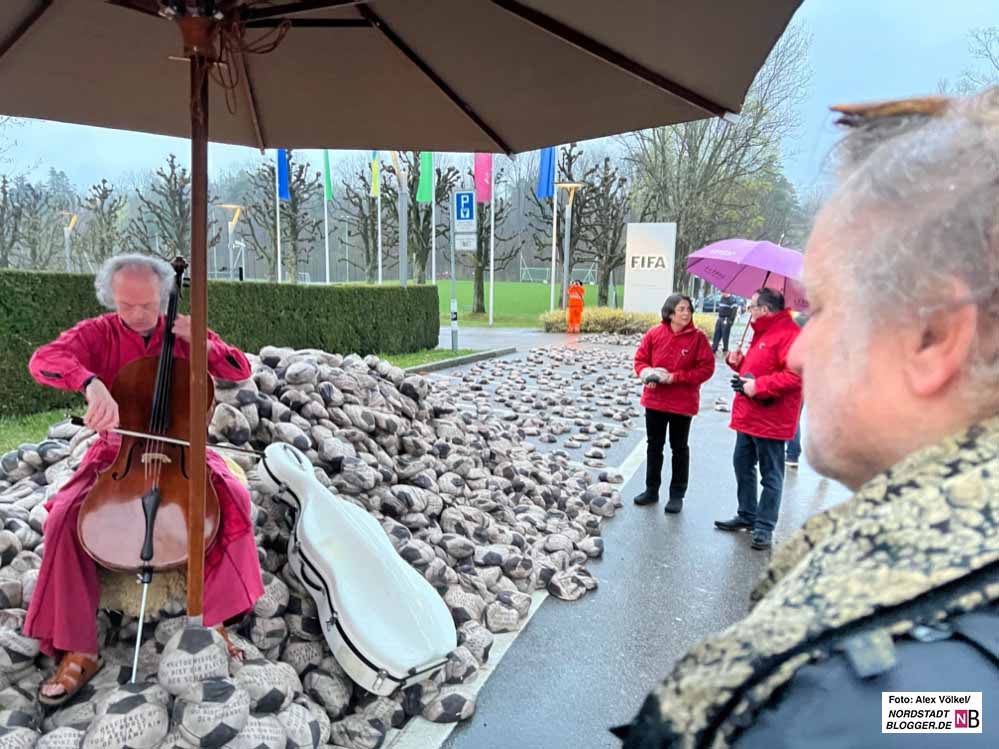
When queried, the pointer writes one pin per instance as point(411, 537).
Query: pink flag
point(483, 177)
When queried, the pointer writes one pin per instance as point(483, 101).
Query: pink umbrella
point(741, 266)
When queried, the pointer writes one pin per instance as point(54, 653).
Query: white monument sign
point(650, 260)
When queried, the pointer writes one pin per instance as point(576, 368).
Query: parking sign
point(464, 212)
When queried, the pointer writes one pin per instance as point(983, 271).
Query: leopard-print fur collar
point(916, 543)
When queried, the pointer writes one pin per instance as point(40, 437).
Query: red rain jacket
point(687, 356)
point(773, 412)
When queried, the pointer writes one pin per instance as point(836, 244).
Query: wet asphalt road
point(665, 582)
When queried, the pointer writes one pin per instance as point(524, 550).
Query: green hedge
point(36, 307)
point(611, 320)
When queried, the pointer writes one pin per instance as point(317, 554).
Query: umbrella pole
point(198, 40)
point(746, 329)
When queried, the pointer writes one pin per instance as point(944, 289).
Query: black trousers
point(723, 327)
point(657, 423)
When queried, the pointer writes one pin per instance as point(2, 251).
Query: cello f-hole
point(128, 464)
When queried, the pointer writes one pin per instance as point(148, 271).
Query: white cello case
point(385, 624)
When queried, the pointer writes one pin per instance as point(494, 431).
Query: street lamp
point(236, 210)
point(570, 188)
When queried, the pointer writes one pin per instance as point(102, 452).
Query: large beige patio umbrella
point(458, 75)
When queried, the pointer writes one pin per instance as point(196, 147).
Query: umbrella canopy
point(455, 75)
point(482, 75)
point(742, 266)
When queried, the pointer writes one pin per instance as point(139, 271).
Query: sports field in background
point(517, 304)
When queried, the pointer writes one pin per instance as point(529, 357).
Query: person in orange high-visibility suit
point(574, 314)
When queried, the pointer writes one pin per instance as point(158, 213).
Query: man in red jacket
point(86, 359)
point(764, 416)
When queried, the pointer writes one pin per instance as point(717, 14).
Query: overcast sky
point(861, 50)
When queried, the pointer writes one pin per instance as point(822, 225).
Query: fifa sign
point(650, 262)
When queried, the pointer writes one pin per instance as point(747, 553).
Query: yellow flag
point(375, 175)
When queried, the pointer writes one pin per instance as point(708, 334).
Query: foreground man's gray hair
point(918, 202)
point(160, 268)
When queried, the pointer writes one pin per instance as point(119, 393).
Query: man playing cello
point(86, 359)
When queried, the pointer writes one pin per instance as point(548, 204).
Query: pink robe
point(62, 613)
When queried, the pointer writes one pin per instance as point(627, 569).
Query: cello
point(134, 518)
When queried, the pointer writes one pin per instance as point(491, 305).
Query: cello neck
point(159, 418)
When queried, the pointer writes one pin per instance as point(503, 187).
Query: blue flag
point(284, 190)
point(546, 176)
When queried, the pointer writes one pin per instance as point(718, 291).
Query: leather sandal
point(235, 652)
point(75, 670)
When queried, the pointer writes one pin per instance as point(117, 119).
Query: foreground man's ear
point(939, 346)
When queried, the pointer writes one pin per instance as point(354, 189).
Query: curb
point(460, 360)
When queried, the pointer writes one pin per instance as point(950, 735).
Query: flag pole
point(326, 227)
point(277, 211)
point(492, 236)
point(433, 223)
point(551, 302)
point(378, 201)
point(327, 196)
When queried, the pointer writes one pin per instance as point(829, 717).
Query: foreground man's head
point(902, 274)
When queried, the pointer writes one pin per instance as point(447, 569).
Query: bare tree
point(41, 230)
point(163, 224)
point(361, 211)
point(573, 166)
point(419, 213)
point(984, 47)
point(301, 220)
point(506, 246)
point(10, 221)
point(609, 204)
point(103, 217)
point(7, 142)
point(695, 173)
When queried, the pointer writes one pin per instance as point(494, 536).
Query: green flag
point(425, 190)
point(326, 175)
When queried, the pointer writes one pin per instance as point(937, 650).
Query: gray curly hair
point(160, 268)
point(920, 180)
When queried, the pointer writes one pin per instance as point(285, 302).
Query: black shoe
point(735, 524)
point(648, 497)
point(675, 504)
point(762, 539)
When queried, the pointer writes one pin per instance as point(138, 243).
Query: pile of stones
point(452, 469)
point(631, 340)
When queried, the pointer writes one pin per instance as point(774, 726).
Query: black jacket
point(727, 308)
point(828, 705)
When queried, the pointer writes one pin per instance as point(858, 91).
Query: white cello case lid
point(387, 610)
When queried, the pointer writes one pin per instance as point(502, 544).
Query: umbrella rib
point(273, 11)
point(379, 24)
point(605, 54)
point(251, 99)
point(21, 30)
point(309, 23)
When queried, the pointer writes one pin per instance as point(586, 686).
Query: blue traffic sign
point(464, 206)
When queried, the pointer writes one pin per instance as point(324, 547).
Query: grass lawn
point(16, 430)
point(517, 305)
point(425, 357)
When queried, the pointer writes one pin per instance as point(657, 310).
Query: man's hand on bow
point(102, 409)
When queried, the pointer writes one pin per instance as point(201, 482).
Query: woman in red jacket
point(673, 360)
